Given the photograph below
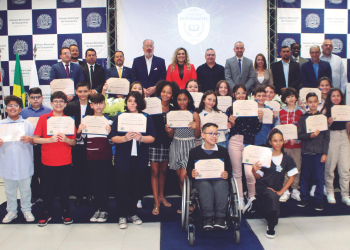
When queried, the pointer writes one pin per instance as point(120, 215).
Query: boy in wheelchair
point(213, 192)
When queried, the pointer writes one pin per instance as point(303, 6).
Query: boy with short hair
point(16, 163)
point(314, 155)
point(213, 193)
point(56, 160)
point(36, 109)
point(270, 92)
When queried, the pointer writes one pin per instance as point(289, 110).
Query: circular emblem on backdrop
point(19, 2)
point(1, 23)
point(288, 1)
point(69, 42)
point(44, 22)
point(288, 42)
point(336, 1)
point(337, 45)
point(44, 72)
point(94, 20)
point(312, 21)
point(2, 73)
point(68, 1)
point(22, 47)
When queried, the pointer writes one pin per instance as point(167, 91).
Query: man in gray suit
point(295, 47)
point(239, 69)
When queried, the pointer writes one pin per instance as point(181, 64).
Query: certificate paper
point(95, 125)
point(153, 106)
point(253, 154)
point(66, 85)
point(268, 115)
point(132, 122)
point(179, 119)
point(219, 119)
point(197, 97)
point(304, 91)
point(289, 131)
point(33, 120)
point(119, 86)
point(275, 105)
point(340, 113)
point(224, 102)
point(11, 131)
point(316, 122)
point(209, 169)
point(245, 108)
point(60, 124)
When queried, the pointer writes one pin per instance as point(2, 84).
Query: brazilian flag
point(18, 87)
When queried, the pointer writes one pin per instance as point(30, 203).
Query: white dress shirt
point(339, 78)
point(149, 64)
point(64, 66)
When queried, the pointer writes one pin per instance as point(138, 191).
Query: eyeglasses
point(58, 102)
point(212, 134)
point(13, 106)
point(148, 46)
point(34, 97)
point(210, 54)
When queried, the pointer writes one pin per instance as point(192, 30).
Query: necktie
point(120, 72)
point(67, 70)
point(240, 65)
point(91, 74)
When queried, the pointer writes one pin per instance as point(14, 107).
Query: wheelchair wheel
point(191, 234)
point(183, 206)
point(191, 239)
point(237, 236)
point(236, 204)
point(187, 204)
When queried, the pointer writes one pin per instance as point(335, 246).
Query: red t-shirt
point(56, 153)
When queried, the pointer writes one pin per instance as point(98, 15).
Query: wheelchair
point(191, 197)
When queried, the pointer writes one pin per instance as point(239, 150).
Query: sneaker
point(285, 196)
point(103, 217)
point(270, 233)
point(295, 194)
point(139, 204)
point(28, 216)
point(302, 203)
point(95, 216)
point(208, 223)
point(346, 200)
point(242, 204)
point(220, 223)
point(122, 223)
point(10, 216)
point(66, 217)
point(135, 219)
point(318, 206)
point(324, 191)
point(45, 218)
point(249, 206)
point(312, 191)
point(331, 199)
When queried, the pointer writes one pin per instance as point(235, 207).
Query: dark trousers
point(312, 164)
point(59, 176)
point(36, 179)
point(270, 198)
point(100, 171)
point(81, 177)
point(128, 188)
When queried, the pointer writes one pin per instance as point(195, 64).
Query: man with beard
point(119, 71)
point(74, 52)
point(296, 54)
point(148, 69)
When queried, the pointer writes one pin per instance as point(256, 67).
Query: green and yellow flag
point(18, 87)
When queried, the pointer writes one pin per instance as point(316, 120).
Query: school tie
point(67, 70)
point(120, 72)
point(240, 65)
point(91, 74)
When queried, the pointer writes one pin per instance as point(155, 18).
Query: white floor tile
point(285, 226)
point(146, 231)
point(30, 245)
point(7, 230)
point(93, 245)
point(329, 241)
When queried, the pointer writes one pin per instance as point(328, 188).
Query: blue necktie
point(240, 65)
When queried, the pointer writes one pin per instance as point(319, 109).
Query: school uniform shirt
point(16, 158)
point(98, 147)
point(222, 133)
point(56, 153)
point(261, 137)
point(30, 112)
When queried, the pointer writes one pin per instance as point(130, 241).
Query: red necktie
point(67, 70)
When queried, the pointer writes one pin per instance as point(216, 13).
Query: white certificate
point(275, 105)
point(245, 108)
point(11, 131)
point(60, 124)
point(33, 120)
point(289, 131)
point(224, 102)
point(66, 85)
point(153, 106)
point(95, 125)
point(118, 86)
point(268, 115)
point(179, 119)
point(219, 119)
point(316, 122)
point(348, 94)
point(132, 122)
point(253, 154)
point(340, 113)
point(197, 97)
point(304, 91)
point(209, 169)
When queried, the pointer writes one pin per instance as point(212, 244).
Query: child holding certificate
point(192, 86)
point(131, 159)
point(213, 192)
point(270, 181)
point(339, 147)
point(56, 157)
point(243, 132)
point(270, 92)
point(314, 154)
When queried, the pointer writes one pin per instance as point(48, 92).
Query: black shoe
point(66, 217)
point(78, 201)
point(208, 223)
point(302, 203)
point(270, 233)
point(44, 219)
point(220, 223)
point(90, 200)
point(319, 206)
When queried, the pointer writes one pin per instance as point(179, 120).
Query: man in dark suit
point(119, 71)
point(286, 73)
point(66, 69)
point(295, 47)
point(94, 73)
point(314, 69)
point(74, 52)
point(148, 69)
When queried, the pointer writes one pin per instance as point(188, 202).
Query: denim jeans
point(25, 192)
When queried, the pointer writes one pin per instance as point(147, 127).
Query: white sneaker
point(312, 191)
point(249, 204)
point(29, 216)
point(285, 196)
point(122, 223)
point(296, 194)
point(139, 204)
point(324, 191)
point(242, 204)
point(346, 200)
point(135, 219)
point(10, 216)
point(331, 199)
point(95, 216)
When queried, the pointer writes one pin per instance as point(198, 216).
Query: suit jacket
point(233, 76)
point(139, 71)
point(268, 79)
point(113, 72)
point(308, 77)
point(174, 76)
point(98, 78)
point(301, 61)
point(58, 71)
point(73, 109)
point(294, 80)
